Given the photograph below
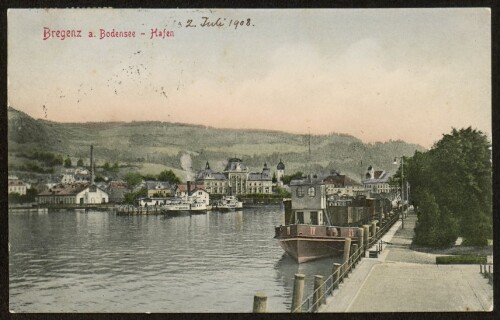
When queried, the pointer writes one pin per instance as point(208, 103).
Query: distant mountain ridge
point(163, 143)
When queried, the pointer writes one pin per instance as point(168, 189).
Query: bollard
point(366, 235)
point(354, 254)
point(319, 292)
point(259, 303)
point(336, 275)
point(347, 252)
point(373, 230)
point(298, 292)
point(361, 241)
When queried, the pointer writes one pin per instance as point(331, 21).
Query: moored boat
point(198, 207)
point(308, 233)
point(228, 203)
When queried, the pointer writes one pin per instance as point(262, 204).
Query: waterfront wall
point(353, 253)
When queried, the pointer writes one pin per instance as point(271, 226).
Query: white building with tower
point(280, 172)
point(376, 181)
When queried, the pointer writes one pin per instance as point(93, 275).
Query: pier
point(381, 273)
point(401, 280)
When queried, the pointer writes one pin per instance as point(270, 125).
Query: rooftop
point(65, 189)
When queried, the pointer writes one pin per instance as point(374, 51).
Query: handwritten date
point(207, 22)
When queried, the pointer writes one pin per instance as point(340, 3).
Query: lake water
point(77, 261)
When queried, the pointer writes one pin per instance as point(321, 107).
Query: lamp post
point(402, 192)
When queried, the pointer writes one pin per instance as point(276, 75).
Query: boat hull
point(309, 242)
point(304, 249)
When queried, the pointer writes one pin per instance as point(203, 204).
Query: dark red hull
point(307, 249)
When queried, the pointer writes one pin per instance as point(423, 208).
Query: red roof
point(65, 189)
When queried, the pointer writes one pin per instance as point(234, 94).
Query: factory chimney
point(91, 164)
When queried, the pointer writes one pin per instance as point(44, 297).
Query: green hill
point(154, 146)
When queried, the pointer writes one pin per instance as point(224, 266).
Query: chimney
point(91, 164)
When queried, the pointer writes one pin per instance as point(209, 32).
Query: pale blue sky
point(377, 74)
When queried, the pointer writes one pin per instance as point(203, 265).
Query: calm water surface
point(76, 261)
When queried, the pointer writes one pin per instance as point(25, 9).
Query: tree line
point(451, 189)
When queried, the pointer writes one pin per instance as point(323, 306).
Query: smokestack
point(188, 187)
point(91, 164)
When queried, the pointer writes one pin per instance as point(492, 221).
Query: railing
point(340, 271)
point(378, 235)
point(487, 272)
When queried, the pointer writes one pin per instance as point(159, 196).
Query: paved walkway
point(404, 280)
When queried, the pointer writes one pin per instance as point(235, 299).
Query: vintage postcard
point(250, 160)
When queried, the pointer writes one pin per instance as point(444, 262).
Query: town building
point(75, 193)
point(75, 175)
point(199, 195)
point(117, 190)
point(280, 172)
point(339, 185)
point(212, 182)
point(16, 185)
point(182, 190)
point(260, 182)
point(158, 188)
point(237, 180)
point(237, 174)
point(377, 181)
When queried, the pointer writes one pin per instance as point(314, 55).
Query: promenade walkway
point(404, 280)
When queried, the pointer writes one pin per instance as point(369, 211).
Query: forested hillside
point(154, 146)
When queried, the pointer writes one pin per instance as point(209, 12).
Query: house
point(75, 193)
point(199, 195)
point(17, 186)
point(158, 188)
point(339, 184)
point(181, 190)
point(117, 190)
point(212, 182)
point(377, 181)
point(75, 175)
point(261, 182)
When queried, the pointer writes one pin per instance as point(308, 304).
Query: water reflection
point(81, 261)
point(286, 268)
